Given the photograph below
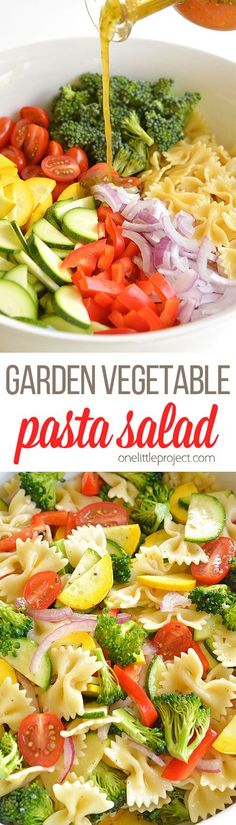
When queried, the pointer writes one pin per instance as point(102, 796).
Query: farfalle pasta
point(117, 665)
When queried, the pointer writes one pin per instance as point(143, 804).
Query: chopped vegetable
point(39, 739)
point(177, 770)
point(172, 812)
point(185, 720)
point(13, 626)
point(138, 695)
point(226, 741)
point(122, 641)
point(10, 758)
point(29, 805)
point(41, 487)
point(112, 782)
point(151, 738)
point(217, 599)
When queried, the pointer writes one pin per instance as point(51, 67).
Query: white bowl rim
point(201, 324)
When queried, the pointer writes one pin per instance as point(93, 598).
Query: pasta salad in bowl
point(117, 648)
point(91, 251)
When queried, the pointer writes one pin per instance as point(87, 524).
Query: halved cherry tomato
point(42, 589)
point(55, 148)
point(9, 544)
point(16, 155)
point(35, 114)
point(32, 171)
point(101, 172)
point(211, 14)
point(147, 711)
point(35, 142)
point(105, 513)
point(220, 552)
point(60, 168)
point(80, 156)
point(172, 639)
point(19, 132)
point(59, 188)
point(91, 484)
point(40, 739)
point(6, 127)
point(177, 770)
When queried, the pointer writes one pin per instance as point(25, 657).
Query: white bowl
point(226, 481)
point(33, 74)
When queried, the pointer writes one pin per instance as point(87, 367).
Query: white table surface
point(28, 21)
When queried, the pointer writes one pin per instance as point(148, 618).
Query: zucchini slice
point(154, 675)
point(51, 236)
point(61, 207)
point(48, 261)
point(69, 304)
point(81, 225)
point(206, 518)
point(9, 242)
point(16, 302)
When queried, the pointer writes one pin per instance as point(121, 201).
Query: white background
point(28, 21)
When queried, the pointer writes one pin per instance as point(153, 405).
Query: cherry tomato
point(172, 639)
point(16, 155)
point(60, 169)
point(55, 148)
point(35, 114)
point(59, 188)
point(105, 513)
point(6, 126)
point(19, 132)
point(42, 589)
point(33, 171)
point(210, 14)
point(39, 739)
point(80, 156)
point(220, 552)
point(35, 142)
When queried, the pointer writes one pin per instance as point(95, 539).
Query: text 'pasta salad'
point(117, 648)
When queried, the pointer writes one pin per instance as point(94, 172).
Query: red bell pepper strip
point(134, 319)
point(200, 654)
point(91, 484)
point(105, 260)
point(89, 286)
point(178, 771)
point(161, 286)
point(55, 518)
point(133, 298)
point(147, 711)
point(9, 544)
point(115, 233)
point(77, 255)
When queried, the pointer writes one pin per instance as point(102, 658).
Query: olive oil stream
point(112, 14)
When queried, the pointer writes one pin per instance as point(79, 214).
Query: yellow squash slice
point(90, 588)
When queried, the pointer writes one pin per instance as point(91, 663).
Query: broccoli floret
point(110, 689)
point(217, 599)
point(230, 580)
point(10, 758)
point(13, 626)
point(144, 480)
point(148, 512)
point(72, 133)
point(68, 103)
point(42, 488)
point(212, 599)
point(163, 87)
point(91, 82)
point(123, 642)
point(185, 719)
point(122, 564)
point(172, 812)
point(131, 159)
point(29, 805)
point(181, 107)
point(112, 782)
point(131, 125)
point(152, 738)
point(165, 133)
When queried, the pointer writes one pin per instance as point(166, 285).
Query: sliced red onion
point(28, 687)
point(54, 615)
point(209, 765)
point(185, 223)
point(146, 752)
point(53, 637)
point(69, 757)
point(174, 235)
point(145, 249)
point(172, 600)
point(123, 617)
